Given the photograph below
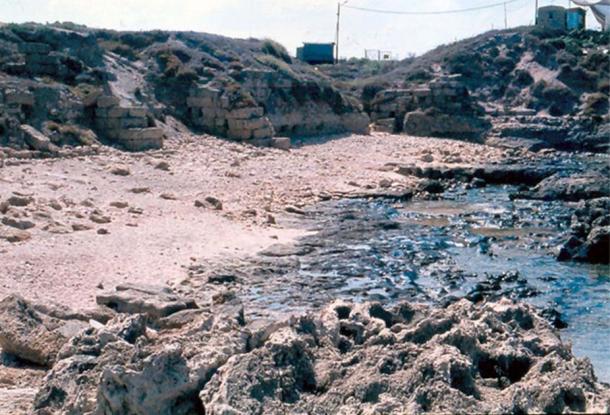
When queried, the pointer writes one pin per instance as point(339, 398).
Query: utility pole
point(536, 14)
point(505, 17)
point(337, 34)
point(339, 4)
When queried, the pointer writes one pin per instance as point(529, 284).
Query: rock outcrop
point(31, 335)
point(348, 358)
point(589, 240)
point(441, 108)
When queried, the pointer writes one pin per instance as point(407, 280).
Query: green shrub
point(273, 48)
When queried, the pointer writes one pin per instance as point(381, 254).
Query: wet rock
point(589, 238)
point(154, 301)
point(431, 186)
point(492, 174)
point(31, 335)
point(571, 188)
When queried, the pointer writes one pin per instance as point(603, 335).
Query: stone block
point(246, 113)
point(34, 47)
point(138, 112)
point(264, 132)
point(36, 140)
point(133, 122)
point(151, 133)
point(240, 134)
point(107, 101)
point(249, 124)
point(283, 143)
point(143, 144)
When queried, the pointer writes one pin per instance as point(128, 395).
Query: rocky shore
point(132, 345)
point(160, 355)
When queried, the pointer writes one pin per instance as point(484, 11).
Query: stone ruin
point(442, 108)
point(214, 111)
point(131, 127)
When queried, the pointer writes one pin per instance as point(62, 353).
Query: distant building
point(552, 17)
point(575, 18)
point(317, 53)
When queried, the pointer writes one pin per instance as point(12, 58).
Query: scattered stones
point(168, 196)
point(162, 165)
point(98, 217)
point(119, 205)
point(20, 200)
point(77, 227)
point(209, 202)
point(139, 190)
point(14, 236)
point(135, 210)
point(120, 171)
point(282, 143)
point(17, 223)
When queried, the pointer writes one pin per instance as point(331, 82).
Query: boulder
point(31, 335)
point(36, 140)
point(574, 187)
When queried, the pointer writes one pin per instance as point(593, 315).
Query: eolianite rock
point(347, 358)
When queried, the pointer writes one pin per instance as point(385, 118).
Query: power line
point(428, 13)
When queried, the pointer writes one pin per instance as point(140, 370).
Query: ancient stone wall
point(442, 107)
point(212, 110)
point(127, 126)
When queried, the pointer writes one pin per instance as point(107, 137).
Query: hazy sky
point(288, 21)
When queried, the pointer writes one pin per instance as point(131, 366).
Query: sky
point(289, 22)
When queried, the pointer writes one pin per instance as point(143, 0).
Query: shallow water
point(472, 242)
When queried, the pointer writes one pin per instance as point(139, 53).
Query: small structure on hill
point(317, 53)
point(560, 18)
point(575, 18)
point(552, 17)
